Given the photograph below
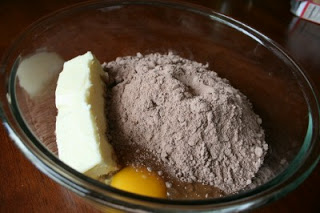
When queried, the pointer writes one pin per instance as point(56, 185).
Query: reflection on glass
point(36, 71)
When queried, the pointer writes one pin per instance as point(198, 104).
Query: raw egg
point(139, 181)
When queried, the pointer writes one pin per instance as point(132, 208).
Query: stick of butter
point(81, 124)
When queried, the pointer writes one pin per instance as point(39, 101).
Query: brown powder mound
point(187, 118)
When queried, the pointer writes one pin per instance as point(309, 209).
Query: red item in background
point(309, 10)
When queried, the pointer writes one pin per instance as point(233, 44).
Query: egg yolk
point(139, 181)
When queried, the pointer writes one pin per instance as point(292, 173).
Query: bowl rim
point(48, 163)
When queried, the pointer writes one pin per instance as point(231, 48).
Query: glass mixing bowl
point(278, 88)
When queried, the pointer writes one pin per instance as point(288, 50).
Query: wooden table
point(24, 189)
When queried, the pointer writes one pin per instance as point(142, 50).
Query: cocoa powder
point(180, 114)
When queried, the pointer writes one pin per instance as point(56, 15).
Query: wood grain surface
point(25, 189)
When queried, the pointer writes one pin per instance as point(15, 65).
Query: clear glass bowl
point(279, 89)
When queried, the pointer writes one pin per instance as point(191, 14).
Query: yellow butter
point(81, 123)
